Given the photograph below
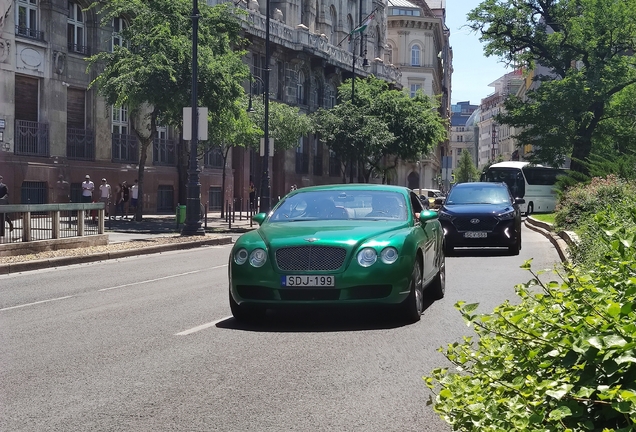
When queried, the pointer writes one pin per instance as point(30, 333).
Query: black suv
point(481, 214)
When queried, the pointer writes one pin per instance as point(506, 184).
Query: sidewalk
point(167, 224)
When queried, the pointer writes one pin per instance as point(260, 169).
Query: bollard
point(240, 208)
point(229, 223)
point(251, 216)
point(205, 217)
point(227, 210)
point(234, 212)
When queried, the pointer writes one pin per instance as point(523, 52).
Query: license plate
point(308, 281)
point(475, 234)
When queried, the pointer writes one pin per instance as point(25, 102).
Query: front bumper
point(377, 284)
point(504, 234)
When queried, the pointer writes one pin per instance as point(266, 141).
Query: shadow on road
point(319, 319)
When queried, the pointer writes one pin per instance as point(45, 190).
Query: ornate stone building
point(418, 44)
point(51, 125)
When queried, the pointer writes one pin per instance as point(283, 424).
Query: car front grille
point(486, 223)
point(310, 258)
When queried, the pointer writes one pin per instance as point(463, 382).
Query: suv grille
point(304, 258)
point(486, 223)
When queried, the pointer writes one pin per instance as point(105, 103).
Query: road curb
point(557, 240)
point(102, 256)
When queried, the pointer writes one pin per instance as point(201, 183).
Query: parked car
point(429, 197)
point(353, 244)
point(481, 214)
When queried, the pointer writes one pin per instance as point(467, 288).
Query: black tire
point(437, 288)
point(413, 305)
point(247, 314)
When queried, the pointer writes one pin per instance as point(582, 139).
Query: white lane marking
point(161, 278)
point(202, 327)
point(36, 303)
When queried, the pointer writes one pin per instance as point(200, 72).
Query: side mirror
point(428, 215)
point(519, 201)
point(259, 218)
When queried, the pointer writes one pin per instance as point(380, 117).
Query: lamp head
point(365, 64)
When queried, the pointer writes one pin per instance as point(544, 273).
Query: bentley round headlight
point(240, 256)
point(367, 257)
point(389, 255)
point(258, 257)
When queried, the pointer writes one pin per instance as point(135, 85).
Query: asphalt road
point(148, 344)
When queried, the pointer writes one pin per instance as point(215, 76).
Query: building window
point(330, 96)
point(27, 19)
point(119, 24)
point(215, 198)
point(415, 55)
point(33, 192)
point(164, 149)
point(165, 199)
point(334, 25)
point(414, 89)
point(120, 120)
point(300, 88)
point(213, 158)
point(75, 29)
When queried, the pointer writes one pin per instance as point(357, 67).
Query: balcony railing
point(79, 49)
point(31, 138)
point(125, 148)
point(317, 165)
point(302, 163)
point(334, 167)
point(164, 152)
point(80, 144)
point(28, 32)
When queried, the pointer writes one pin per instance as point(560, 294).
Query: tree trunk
point(145, 143)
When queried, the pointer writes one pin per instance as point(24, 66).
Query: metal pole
point(192, 225)
point(265, 184)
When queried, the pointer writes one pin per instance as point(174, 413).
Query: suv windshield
point(479, 194)
point(339, 204)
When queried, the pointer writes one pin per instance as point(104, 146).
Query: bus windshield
point(510, 176)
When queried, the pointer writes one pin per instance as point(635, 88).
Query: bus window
point(510, 176)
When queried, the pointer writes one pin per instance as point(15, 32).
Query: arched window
point(316, 22)
point(415, 55)
point(75, 29)
point(330, 96)
point(352, 42)
point(26, 19)
point(119, 24)
point(378, 42)
point(334, 25)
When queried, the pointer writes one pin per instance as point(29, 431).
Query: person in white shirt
point(134, 196)
point(87, 190)
point(105, 194)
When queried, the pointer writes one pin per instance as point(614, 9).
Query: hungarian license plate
point(475, 234)
point(308, 281)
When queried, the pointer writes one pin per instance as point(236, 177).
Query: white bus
point(533, 183)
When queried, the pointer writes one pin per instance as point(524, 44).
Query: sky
point(472, 71)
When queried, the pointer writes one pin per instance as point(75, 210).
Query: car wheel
point(245, 313)
point(530, 209)
point(437, 288)
point(413, 306)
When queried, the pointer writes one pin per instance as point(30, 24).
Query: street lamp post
point(192, 225)
point(365, 64)
point(265, 181)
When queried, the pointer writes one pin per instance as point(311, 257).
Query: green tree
point(583, 44)
point(466, 170)
point(380, 126)
point(151, 72)
point(286, 123)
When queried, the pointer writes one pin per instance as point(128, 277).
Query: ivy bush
point(562, 359)
point(580, 203)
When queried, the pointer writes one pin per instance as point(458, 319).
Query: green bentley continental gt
point(347, 244)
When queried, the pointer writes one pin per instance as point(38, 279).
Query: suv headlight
point(258, 257)
point(444, 216)
point(240, 256)
point(506, 216)
point(367, 257)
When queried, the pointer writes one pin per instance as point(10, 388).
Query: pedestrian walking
point(62, 190)
point(105, 195)
point(4, 199)
point(252, 194)
point(119, 201)
point(134, 197)
point(125, 190)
